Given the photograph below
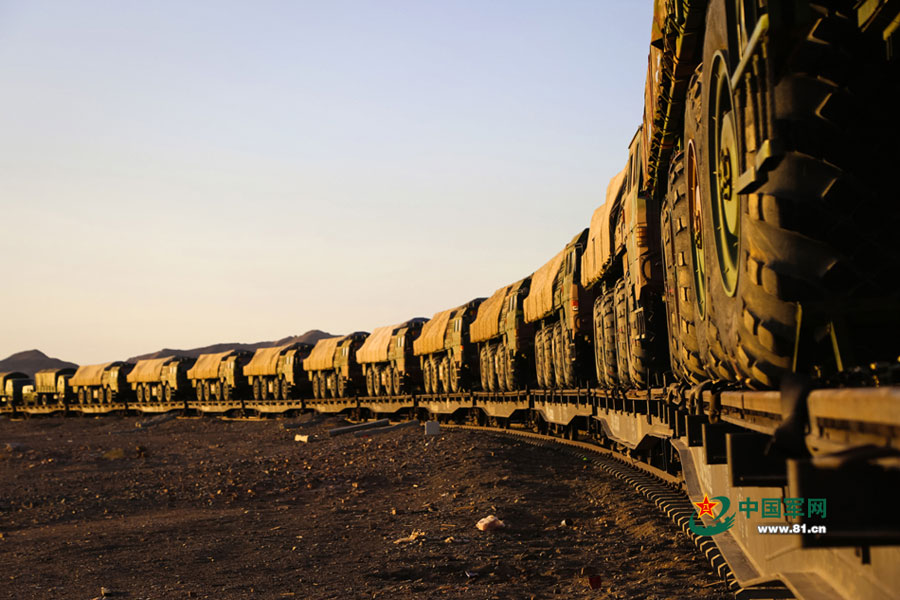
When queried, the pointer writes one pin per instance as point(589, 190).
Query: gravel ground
point(205, 508)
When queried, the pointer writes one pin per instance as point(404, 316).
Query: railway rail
point(678, 446)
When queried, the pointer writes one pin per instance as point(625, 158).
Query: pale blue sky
point(184, 173)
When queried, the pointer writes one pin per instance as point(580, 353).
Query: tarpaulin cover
point(265, 360)
point(375, 348)
point(322, 355)
point(89, 374)
point(148, 370)
point(539, 302)
point(432, 337)
point(598, 251)
point(487, 323)
point(207, 365)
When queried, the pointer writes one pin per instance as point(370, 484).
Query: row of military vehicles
point(729, 321)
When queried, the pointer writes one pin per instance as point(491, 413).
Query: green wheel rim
point(696, 225)
point(723, 172)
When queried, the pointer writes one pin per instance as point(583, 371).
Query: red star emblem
point(706, 507)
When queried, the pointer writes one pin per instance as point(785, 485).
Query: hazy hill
point(310, 337)
point(32, 361)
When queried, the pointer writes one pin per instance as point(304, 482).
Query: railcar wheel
point(139, 392)
point(285, 390)
point(341, 387)
point(167, 393)
point(198, 390)
point(370, 383)
point(226, 391)
point(257, 393)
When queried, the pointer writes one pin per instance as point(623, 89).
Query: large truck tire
point(815, 235)
point(684, 349)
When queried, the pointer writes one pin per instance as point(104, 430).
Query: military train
point(730, 319)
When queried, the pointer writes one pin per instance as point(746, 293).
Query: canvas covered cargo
point(45, 380)
point(207, 365)
point(375, 348)
point(487, 324)
point(322, 355)
point(88, 375)
point(432, 337)
point(149, 370)
point(539, 302)
point(9, 376)
point(265, 360)
point(599, 249)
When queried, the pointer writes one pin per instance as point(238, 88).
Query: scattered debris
point(302, 424)
point(432, 428)
point(416, 534)
point(13, 447)
point(490, 523)
point(376, 431)
point(471, 574)
point(301, 438)
point(359, 427)
point(155, 420)
point(594, 581)
point(114, 454)
point(565, 523)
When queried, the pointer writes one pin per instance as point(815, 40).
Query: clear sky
point(176, 174)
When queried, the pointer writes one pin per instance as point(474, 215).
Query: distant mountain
point(310, 337)
point(32, 361)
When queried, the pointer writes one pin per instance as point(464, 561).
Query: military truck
point(387, 360)
point(160, 379)
point(332, 367)
point(448, 359)
point(102, 383)
point(220, 375)
point(276, 372)
point(505, 341)
point(621, 268)
point(11, 384)
point(562, 338)
point(51, 386)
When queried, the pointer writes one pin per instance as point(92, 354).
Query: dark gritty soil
point(204, 508)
